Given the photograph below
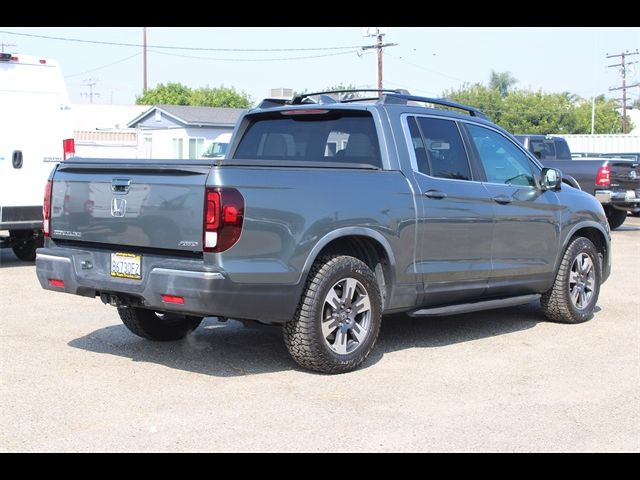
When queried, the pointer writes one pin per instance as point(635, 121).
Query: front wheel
point(615, 217)
point(575, 291)
point(157, 326)
point(338, 318)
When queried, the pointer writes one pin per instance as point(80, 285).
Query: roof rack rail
point(298, 99)
point(401, 98)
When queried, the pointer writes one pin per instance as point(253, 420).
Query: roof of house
point(194, 116)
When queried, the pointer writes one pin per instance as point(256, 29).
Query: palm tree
point(501, 81)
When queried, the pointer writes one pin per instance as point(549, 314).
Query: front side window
point(502, 161)
point(443, 146)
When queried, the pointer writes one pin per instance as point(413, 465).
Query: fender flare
point(346, 232)
point(574, 229)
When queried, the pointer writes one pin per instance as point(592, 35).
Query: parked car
point(218, 147)
point(35, 134)
point(614, 181)
point(324, 216)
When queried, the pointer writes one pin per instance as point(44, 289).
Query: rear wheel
point(25, 243)
point(338, 318)
point(157, 326)
point(575, 291)
point(615, 217)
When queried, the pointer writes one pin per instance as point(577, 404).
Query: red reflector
point(14, 59)
point(55, 282)
point(173, 299)
point(304, 111)
point(43, 61)
point(68, 148)
point(230, 214)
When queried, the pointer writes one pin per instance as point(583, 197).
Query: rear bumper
point(206, 291)
point(619, 199)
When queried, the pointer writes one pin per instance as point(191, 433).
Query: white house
point(181, 131)
point(100, 131)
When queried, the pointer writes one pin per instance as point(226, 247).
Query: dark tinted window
point(444, 149)
point(347, 136)
point(502, 161)
point(418, 146)
point(562, 149)
point(543, 149)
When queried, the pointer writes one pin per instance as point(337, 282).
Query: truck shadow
point(9, 259)
point(233, 348)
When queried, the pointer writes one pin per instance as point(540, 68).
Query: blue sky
point(426, 61)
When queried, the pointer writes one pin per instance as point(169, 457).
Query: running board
point(474, 307)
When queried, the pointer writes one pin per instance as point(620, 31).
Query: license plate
point(630, 195)
point(126, 265)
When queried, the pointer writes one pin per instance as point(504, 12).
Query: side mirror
point(551, 179)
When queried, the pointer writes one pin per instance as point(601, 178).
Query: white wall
point(603, 143)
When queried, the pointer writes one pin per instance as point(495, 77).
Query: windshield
point(216, 149)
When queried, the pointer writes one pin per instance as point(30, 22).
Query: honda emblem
point(118, 207)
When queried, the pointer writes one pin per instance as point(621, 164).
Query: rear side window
point(562, 149)
point(336, 136)
point(543, 149)
point(444, 150)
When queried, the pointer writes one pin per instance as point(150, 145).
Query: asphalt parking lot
point(72, 378)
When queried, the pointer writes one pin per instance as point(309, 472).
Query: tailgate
point(136, 204)
point(625, 174)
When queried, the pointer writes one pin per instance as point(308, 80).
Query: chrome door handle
point(502, 199)
point(435, 194)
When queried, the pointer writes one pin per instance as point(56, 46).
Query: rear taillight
point(603, 177)
point(68, 148)
point(223, 217)
point(46, 209)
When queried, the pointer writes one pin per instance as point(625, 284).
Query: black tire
point(159, 327)
point(303, 335)
point(615, 217)
point(556, 303)
point(25, 245)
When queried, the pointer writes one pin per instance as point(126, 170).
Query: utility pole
point(377, 32)
point(144, 61)
point(90, 82)
point(6, 45)
point(623, 73)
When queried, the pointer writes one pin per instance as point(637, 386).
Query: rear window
point(335, 136)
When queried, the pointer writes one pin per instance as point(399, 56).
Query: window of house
point(196, 147)
point(178, 148)
point(502, 161)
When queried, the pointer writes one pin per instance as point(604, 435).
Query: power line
point(173, 47)
point(252, 59)
point(103, 66)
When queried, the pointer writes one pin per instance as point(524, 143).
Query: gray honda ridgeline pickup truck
point(325, 214)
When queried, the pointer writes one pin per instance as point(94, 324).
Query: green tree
point(502, 82)
point(179, 94)
point(220, 97)
point(525, 111)
point(479, 96)
point(169, 94)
